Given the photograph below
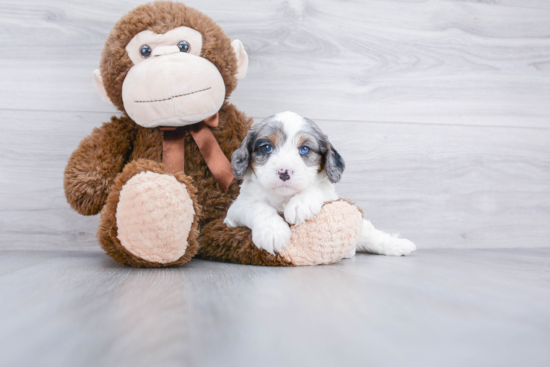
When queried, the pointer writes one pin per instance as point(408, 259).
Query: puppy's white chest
point(279, 203)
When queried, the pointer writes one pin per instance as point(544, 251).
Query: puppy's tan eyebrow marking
point(273, 138)
point(302, 140)
point(272, 131)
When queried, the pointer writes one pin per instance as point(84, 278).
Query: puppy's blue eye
point(304, 150)
point(267, 148)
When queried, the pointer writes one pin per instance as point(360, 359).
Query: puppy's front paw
point(272, 236)
point(301, 208)
point(230, 222)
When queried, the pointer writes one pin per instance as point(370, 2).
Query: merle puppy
point(288, 166)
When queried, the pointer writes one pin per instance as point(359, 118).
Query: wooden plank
point(442, 186)
point(444, 62)
point(12, 261)
point(435, 308)
point(34, 150)
point(449, 186)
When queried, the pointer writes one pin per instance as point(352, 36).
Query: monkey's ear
point(242, 59)
point(98, 84)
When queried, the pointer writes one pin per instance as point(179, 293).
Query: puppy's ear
point(240, 159)
point(334, 164)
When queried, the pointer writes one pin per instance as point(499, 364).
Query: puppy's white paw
point(229, 222)
point(272, 236)
point(395, 246)
point(301, 208)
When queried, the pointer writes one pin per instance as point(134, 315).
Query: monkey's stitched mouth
point(179, 95)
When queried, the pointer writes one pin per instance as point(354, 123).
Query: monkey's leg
point(329, 237)
point(151, 217)
point(219, 242)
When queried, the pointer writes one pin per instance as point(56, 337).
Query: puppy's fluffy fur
point(289, 167)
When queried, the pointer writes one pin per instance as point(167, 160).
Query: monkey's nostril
point(284, 175)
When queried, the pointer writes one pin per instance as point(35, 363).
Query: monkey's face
point(170, 84)
point(164, 76)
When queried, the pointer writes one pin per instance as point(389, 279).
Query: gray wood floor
point(441, 109)
point(435, 308)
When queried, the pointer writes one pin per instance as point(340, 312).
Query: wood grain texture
point(447, 62)
point(434, 308)
point(441, 186)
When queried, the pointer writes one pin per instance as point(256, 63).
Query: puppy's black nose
point(283, 175)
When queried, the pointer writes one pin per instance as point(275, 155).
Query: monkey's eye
point(267, 148)
point(304, 150)
point(145, 51)
point(183, 46)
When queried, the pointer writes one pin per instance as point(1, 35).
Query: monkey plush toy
point(160, 174)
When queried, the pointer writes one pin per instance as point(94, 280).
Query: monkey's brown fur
point(161, 17)
point(115, 152)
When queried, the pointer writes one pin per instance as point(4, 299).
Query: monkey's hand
point(92, 167)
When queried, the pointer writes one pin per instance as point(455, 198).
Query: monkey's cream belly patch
point(154, 217)
point(328, 238)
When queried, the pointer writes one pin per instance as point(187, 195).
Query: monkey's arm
point(93, 166)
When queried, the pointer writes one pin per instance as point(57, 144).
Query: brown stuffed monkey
point(160, 173)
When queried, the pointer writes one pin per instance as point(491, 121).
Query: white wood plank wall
point(440, 108)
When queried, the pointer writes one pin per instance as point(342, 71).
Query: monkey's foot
point(154, 215)
point(327, 238)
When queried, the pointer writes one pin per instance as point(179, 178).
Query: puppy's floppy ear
point(240, 159)
point(334, 164)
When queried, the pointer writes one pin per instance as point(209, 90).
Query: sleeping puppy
point(289, 167)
